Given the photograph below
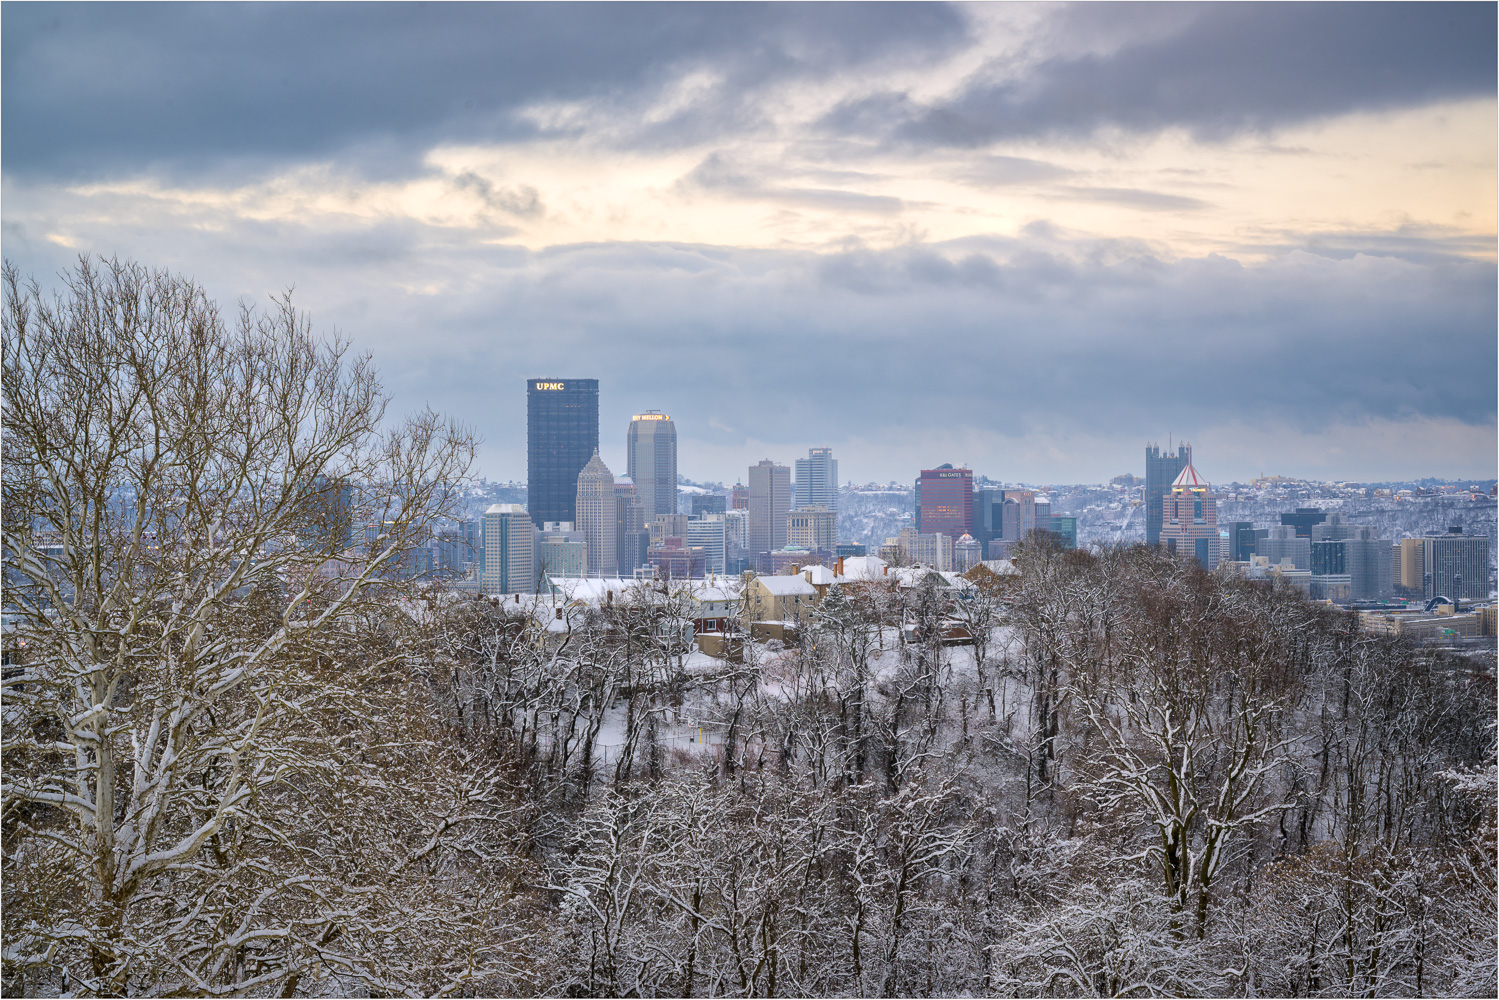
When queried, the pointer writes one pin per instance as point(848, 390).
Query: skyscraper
point(562, 432)
point(1160, 472)
point(631, 537)
point(769, 502)
point(946, 503)
point(1189, 522)
point(651, 450)
point(508, 542)
point(597, 515)
point(817, 479)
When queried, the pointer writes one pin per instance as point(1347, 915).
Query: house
point(779, 598)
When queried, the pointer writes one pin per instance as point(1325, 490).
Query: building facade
point(561, 551)
point(709, 533)
point(812, 527)
point(769, 503)
point(945, 501)
point(598, 516)
point(507, 542)
point(1189, 518)
point(562, 433)
point(1456, 565)
point(652, 456)
point(817, 480)
point(631, 537)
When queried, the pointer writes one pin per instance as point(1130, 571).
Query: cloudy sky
point(1028, 239)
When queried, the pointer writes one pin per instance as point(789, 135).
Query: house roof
point(786, 586)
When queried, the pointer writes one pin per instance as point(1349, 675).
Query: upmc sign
point(550, 385)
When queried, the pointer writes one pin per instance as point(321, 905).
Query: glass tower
point(562, 433)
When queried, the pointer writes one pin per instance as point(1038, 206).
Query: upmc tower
point(562, 431)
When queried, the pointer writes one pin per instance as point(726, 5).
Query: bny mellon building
point(652, 457)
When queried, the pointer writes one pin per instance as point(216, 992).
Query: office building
point(709, 533)
point(988, 514)
point(1065, 529)
point(507, 539)
point(927, 548)
point(1303, 520)
point(812, 527)
point(1456, 565)
point(736, 541)
point(598, 516)
point(1161, 470)
point(562, 433)
point(652, 457)
point(561, 551)
point(1411, 577)
point(631, 536)
point(769, 503)
point(708, 503)
point(1189, 518)
point(667, 526)
point(846, 550)
point(739, 497)
point(674, 559)
point(1240, 540)
point(945, 501)
point(817, 480)
point(328, 516)
point(1282, 544)
point(966, 553)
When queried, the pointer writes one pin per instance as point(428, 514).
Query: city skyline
point(1001, 236)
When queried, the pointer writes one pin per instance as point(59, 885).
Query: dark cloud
point(1228, 68)
point(115, 87)
point(1030, 338)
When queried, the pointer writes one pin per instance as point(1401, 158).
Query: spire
point(1189, 479)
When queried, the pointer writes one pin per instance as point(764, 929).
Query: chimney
point(840, 565)
point(559, 613)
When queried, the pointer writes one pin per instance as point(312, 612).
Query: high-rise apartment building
point(562, 432)
point(507, 540)
point(817, 480)
point(598, 515)
point(946, 504)
point(1160, 472)
point(1457, 565)
point(652, 455)
point(769, 503)
point(1189, 518)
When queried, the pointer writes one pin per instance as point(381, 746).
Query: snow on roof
point(819, 575)
point(863, 567)
point(786, 586)
point(505, 508)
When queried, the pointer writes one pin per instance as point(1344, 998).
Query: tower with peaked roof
point(598, 515)
point(1189, 517)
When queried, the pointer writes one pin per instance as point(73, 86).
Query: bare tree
point(203, 527)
